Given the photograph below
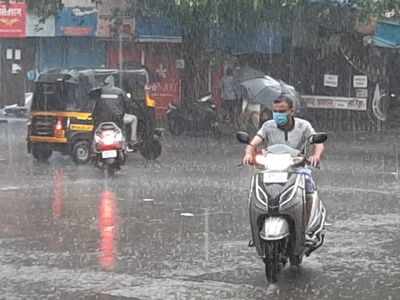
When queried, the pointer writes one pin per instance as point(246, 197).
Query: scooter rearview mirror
point(95, 93)
point(243, 137)
point(318, 138)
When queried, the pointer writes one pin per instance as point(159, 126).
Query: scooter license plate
point(275, 177)
point(109, 154)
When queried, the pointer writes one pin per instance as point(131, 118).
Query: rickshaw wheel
point(41, 152)
point(176, 125)
point(81, 152)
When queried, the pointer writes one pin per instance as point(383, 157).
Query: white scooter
point(282, 228)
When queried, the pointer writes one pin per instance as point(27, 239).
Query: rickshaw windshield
point(61, 96)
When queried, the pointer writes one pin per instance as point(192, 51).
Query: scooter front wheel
point(272, 261)
point(296, 260)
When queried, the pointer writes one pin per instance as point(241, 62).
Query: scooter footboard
point(274, 228)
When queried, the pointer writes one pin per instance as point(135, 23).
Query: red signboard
point(168, 88)
point(162, 64)
point(12, 20)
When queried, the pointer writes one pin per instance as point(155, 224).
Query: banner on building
point(12, 20)
point(326, 102)
point(360, 81)
point(331, 80)
point(40, 27)
point(77, 21)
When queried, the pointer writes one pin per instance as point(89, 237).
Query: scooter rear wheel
point(109, 171)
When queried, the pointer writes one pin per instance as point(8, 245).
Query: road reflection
point(108, 227)
point(58, 196)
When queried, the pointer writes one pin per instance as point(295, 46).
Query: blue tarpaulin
point(156, 29)
point(71, 52)
point(387, 35)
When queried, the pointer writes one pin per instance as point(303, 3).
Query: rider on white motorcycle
point(294, 132)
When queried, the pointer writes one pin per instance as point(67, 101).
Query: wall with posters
point(105, 13)
point(39, 27)
point(16, 59)
point(13, 20)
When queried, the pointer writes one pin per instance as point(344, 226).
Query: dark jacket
point(111, 106)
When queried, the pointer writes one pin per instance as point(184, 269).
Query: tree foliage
point(44, 8)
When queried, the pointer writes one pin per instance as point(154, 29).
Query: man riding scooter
point(113, 106)
point(110, 105)
point(294, 132)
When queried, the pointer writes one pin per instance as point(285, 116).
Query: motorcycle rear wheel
point(109, 171)
point(272, 261)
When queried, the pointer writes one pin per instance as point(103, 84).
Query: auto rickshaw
point(60, 118)
point(61, 112)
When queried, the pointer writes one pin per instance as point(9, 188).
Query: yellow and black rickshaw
point(61, 111)
point(61, 115)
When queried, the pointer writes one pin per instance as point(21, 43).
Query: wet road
point(178, 229)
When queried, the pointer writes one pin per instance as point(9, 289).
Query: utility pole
point(121, 57)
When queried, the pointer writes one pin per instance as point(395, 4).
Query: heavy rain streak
point(199, 149)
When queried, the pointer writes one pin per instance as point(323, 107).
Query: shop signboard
point(13, 20)
point(331, 80)
point(40, 27)
point(360, 81)
point(327, 102)
point(77, 21)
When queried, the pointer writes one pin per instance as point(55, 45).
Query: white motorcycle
point(282, 227)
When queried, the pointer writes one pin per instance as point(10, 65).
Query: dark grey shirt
point(295, 138)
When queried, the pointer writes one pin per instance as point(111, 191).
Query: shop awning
point(157, 30)
point(387, 35)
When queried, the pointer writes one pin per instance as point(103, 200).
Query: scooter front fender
point(274, 228)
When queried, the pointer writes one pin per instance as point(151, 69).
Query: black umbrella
point(265, 90)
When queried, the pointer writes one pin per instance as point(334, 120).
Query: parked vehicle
point(195, 116)
point(277, 206)
point(110, 147)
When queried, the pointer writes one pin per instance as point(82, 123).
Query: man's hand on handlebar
point(250, 154)
point(248, 158)
point(314, 161)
